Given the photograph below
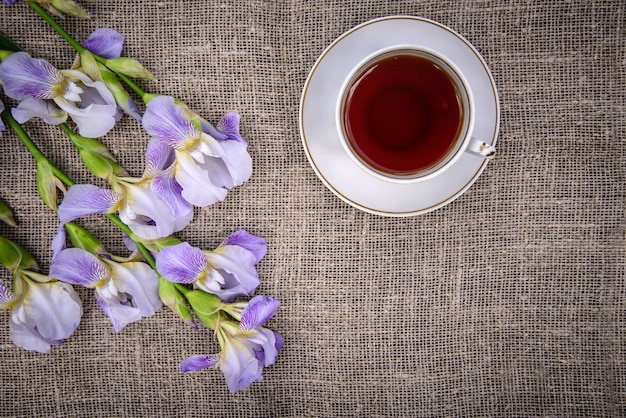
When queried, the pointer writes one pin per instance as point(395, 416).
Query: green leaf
point(8, 45)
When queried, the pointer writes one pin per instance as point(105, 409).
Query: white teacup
point(406, 113)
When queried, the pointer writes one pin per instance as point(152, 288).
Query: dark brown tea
point(403, 114)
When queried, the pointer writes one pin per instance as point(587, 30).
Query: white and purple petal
point(105, 42)
point(198, 362)
point(79, 267)
point(54, 307)
point(87, 199)
point(138, 280)
point(198, 189)
point(159, 156)
point(58, 243)
point(165, 185)
point(7, 297)
point(1, 122)
point(239, 364)
point(23, 76)
point(229, 126)
point(38, 108)
point(233, 268)
point(96, 112)
point(146, 213)
point(119, 314)
point(256, 245)
point(181, 263)
point(165, 120)
point(258, 312)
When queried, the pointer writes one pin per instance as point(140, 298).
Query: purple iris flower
point(208, 162)
point(228, 271)
point(42, 314)
point(53, 95)
point(151, 206)
point(126, 291)
point(245, 348)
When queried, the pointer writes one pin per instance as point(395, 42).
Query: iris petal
point(55, 309)
point(86, 199)
point(181, 263)
point(23, 76)
point(256, 245)
point(139, 281)
point(229, 125)
point(120, 315)
point(166, 121)
point(198, 188)
point(234, 267)
point(105, 42)
point(258, 312)
point(166, 186)
point(76, 266)
point(38, 108)
point(145, 213)
point(198, 362)
point(159, 156)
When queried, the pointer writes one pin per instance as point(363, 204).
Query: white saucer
point(321, 140)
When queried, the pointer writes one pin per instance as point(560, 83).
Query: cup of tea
point(406, 113)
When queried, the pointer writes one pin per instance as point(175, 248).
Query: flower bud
point(12, 256)
point(206, 306)
point(69, 7)
point(47, 184)
point(83, 239)
point(128, 66)
point(97, 158)
point(122, 98)
point(6, 215)
point(175, 301)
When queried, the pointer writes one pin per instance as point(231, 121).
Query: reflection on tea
point(403, 114)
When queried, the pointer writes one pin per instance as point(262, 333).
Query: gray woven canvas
point(508, 302)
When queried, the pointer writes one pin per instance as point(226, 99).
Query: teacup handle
point(481, 149)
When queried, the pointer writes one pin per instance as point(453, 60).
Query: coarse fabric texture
point(508, 302)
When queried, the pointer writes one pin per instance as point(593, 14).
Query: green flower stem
point(79, 48)
point(182, 289)
point(32, 148)
point(38, 155)
point(55, 26)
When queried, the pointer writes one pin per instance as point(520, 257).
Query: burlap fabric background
point(509, 302)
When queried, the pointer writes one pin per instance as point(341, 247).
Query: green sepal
point(122, 98)
point(83, 239)
point(47, 184)
point(89, 65)
point(165, 242)
point(6, 214)
point(60, 7)
point(206, 306)
point(13, 256)
point(171, 297)
point(129, 67)
point(97, 157)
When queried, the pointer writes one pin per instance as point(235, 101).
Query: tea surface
point(403, 114)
